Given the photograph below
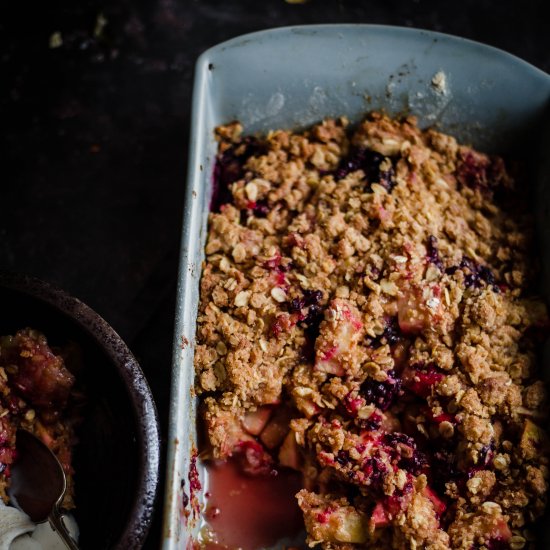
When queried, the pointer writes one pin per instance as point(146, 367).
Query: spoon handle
point(56, 521)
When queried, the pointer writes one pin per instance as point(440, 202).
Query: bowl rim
point(148, 433)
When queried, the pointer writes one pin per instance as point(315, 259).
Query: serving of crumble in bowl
point(70, 379)
point(361, 311)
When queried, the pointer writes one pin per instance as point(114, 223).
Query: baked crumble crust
point(367, 316)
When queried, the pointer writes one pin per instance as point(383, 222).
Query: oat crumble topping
point(368, 318)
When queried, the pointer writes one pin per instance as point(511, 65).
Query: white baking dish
point(292, 77)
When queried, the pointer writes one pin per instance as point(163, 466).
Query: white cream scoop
point(18, 532)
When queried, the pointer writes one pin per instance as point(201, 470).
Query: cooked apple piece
point(254, 421)
point(411, 316)
point(346, 524)
point(379, 517)
point(338, 337)
point(289, 454)
point(277, 428)
point(330, 519)
point(532, 440)
point(418, 308)
point(501, 531)
point(306, 405)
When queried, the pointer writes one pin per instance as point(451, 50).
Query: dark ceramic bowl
point(116, 460)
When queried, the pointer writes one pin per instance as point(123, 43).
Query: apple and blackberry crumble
point(36, 394)
point(368, 318)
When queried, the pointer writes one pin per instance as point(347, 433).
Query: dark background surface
point(95, 136)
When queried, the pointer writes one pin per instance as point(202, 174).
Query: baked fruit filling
point(37, 394)
point(368, 317)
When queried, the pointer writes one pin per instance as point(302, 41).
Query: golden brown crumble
point(367, 317)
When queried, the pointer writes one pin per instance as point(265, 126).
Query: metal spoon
point(38, 484)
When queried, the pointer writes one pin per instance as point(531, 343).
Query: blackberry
point(342, 458)
point(229, 168)
point(261, 208)
point(375, 469)
point(393, 438)
point(310, 322)
point(372, 423)
point(443, 469)
point(486, 454)
point(295, 305)
point(381, 394)
point(474, 274)
point(415, 464)
point(369, 161)
point(391, 334)
point(312, 297)
point(478, 172)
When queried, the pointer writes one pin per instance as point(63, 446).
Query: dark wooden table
point(95, 103)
